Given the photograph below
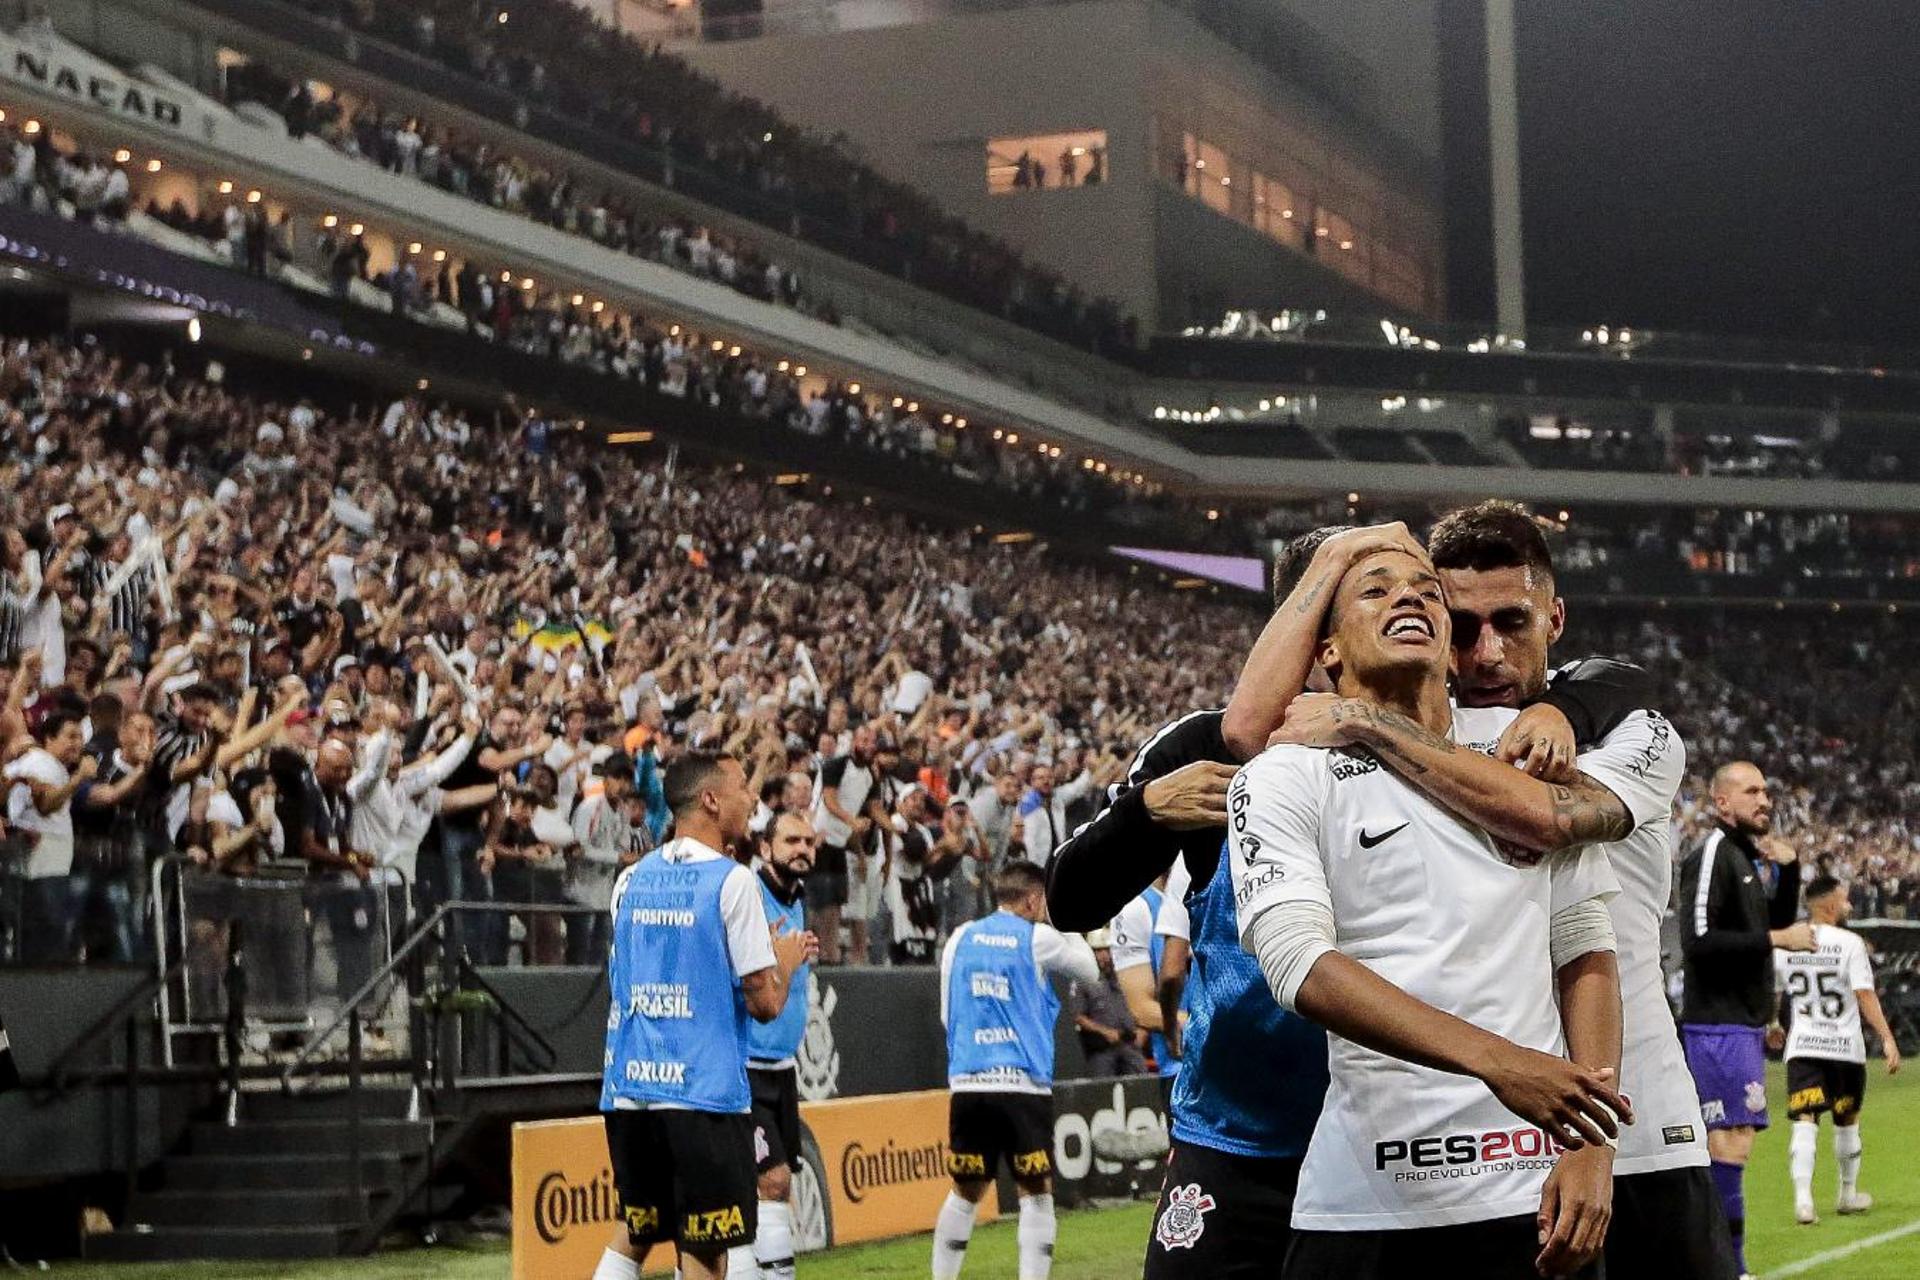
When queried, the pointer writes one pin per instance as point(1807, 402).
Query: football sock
point(1800, 1158)
point(773, 1247)
point(1037, 1230)
point(1726, 1179)
point(1846, 1150)
point(616, 1266)
point(951, 1231)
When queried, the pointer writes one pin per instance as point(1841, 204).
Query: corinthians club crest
point(818, 1062)
point(1184, 1220)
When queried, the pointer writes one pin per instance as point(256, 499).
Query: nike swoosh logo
point(1368, 840)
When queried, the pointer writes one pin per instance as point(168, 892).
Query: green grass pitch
point(1107, 1244)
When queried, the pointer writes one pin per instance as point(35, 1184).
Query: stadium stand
point(680, 126)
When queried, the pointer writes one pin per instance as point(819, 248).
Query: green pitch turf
point(1107, 1244)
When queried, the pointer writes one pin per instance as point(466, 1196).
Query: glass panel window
point(1047, 162)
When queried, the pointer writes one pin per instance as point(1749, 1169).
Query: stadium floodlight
point(226, 186)
point(153, 166)
point(799, 371)
point(193, 329)
point(853, 388)
point(122, 156)
point(960, 423)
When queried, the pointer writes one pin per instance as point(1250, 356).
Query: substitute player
point(999, 1007)
point(692, 960)
point(1729, 924)
point(786, 856)
point(1829, 991)
point(1138, 951)
point(1414, 1160)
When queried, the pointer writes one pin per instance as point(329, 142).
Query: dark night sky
point(1738, 166)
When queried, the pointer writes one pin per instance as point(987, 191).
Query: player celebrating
point(1498, 574)
point(774, 1081)
point(1252, 1074)
point(692, 961)
point(1729, 921)
point(999, 1007)
point(1829, 990)
point(1413, 1159)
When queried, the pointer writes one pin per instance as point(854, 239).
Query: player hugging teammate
point(1582, 821)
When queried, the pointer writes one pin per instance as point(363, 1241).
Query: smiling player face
point(1389, 616)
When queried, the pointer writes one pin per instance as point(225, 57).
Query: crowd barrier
point(872, 1168)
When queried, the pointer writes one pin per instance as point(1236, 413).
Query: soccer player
point(692, 961)
point(1413, 1158)
point(998, 1004)
point(1498, 574)
point(1729, 924)
point(1138, 947)
point(1829, 990)
point(1252, 1074)
point(785, 859)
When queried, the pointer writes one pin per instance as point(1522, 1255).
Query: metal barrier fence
point(294, 945)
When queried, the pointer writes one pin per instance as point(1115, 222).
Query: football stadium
point(1090, 640)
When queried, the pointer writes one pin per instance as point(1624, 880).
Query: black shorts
point(985, 1128)
point(1500, 1249)
point(684, 1176)
point(1820, 1084)
point(1221, 1215)
point(776, 1117)
point(1669, 1223)
point(827, 882)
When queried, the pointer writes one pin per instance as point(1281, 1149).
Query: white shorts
point(864, 884)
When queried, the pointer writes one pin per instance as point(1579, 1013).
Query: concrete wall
point(921, 102)
point(1399, 39)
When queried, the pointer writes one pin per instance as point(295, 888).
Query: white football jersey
point(1437, 907)
point(1642, 762)
point(1821, 987)
point(1132, 935)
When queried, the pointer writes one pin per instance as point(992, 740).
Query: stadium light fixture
point(781, 367)
point(674, 332)
point(331, 221)
point(853, 388)
point(31, 127)
point(734, 352)
point(913, 406)
point(718, 345)
point(153, 166)
point(898, 402)
point(358, 228)
point(767, 137)
point(579, 299)
point(1013, 437)
point(502, 19)
point(526, 282)
point(1265, 405)
point(3, 117)
point(193, 329)
point(1352, 498)
point(799, 371)
point(255, 196)
point(226, 186)
point(122, 156)
point(961, 423)
point(413, 246)
point(1213, 513)
point(506, 277)
point(306, 353)
point(946, 419)
point(422, 385)
point(629, 437)
point(598, 306)
point(439, 255)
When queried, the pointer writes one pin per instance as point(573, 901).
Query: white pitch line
point(1861, 1245)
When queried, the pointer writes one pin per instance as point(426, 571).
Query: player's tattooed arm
point(1539, 816)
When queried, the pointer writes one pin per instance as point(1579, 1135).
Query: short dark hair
point(54, 721)
point(199, 691)
point(691, 774)
point(1291, 564)
point(1822, 886)
point(1016, 880)
point(619, 764)
point(1495, 534)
